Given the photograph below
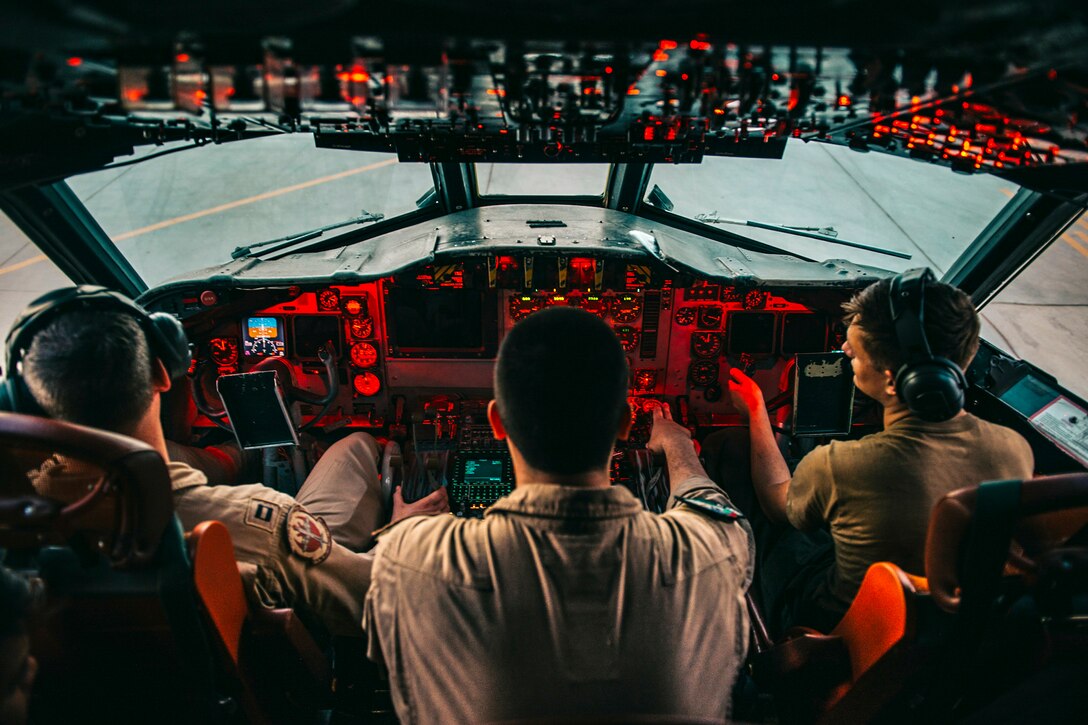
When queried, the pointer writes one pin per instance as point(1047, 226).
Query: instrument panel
point(438, 328)
point(411, 356)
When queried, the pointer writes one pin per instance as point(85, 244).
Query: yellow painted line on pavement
point(250, 200)
point(21, 265)
point(1077, 245)
point(217, 209)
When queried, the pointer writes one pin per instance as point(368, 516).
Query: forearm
point(683, 462)
point(770, 474)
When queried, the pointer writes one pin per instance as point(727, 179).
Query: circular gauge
point(224, 350)
point(626, 308)
point(628, 337)
point(521, 306)
point(755, 299)
point(366, 384)
point(364, 355)
point(710, 317)
point(685, 316)
point(328, 299)
point(353, 306)
point(264, 346)
point(362, 327)
point(703, 372)
point(706, 344)
point(594, 304)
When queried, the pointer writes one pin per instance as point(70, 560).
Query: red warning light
point(699, 45)
point(648, 133)
point(660, 73)
point(844, 101)
point(182, 58)
point(667, 45)
point(134, 95)
point(660, 56)
point(608, 70)
point(75, 61)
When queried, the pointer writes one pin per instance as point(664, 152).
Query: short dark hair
point(91, 367)
point(949, 318)
point(561, 386)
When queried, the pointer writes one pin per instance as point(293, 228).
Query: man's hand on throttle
point(436, 502)
point(744, 393)
point(666, 432)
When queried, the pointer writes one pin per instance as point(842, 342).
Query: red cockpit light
point(581, 272)
point(353, 307)
point(645, 380)
point(364, 355)
point(366, 384)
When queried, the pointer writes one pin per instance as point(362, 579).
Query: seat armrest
point(804, 650)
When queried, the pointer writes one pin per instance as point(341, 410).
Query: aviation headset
point(932, 387)
point(166, 338)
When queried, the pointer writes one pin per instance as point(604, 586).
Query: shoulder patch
point(261, 514)
point(308, 535)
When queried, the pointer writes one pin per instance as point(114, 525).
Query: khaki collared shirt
point(562, 601)
point(324, 581)
point(876, 493)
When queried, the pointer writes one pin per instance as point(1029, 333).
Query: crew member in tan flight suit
point(567, 599)
point(93, 366)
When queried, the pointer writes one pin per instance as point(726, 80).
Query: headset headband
point(908, 295)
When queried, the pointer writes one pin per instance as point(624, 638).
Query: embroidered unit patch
point(261, 514)
point(308, 535)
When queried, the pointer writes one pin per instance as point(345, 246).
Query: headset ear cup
point(7, 397)
point(934, 390)
point(169, 343)
point(15, 397)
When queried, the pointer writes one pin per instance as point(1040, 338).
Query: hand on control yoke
point(744, 393)
point(436, 502)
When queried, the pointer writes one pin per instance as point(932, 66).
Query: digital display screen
point(803, 332)
point(1028, 395)
point(313, 332)
point(483, 470)
point(263, 337)
point(440, 322)
point(751, 332)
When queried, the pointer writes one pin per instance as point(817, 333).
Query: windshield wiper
point(293, 239)
point(824, 234)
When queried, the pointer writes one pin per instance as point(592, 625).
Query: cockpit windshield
point(920, 212)
point(191, 209)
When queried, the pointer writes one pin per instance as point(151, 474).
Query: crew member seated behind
point(874, 494)
point(90, 363)
point(567, 598)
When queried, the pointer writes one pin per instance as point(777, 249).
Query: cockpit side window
point(1040, 316)
point(25, 273)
